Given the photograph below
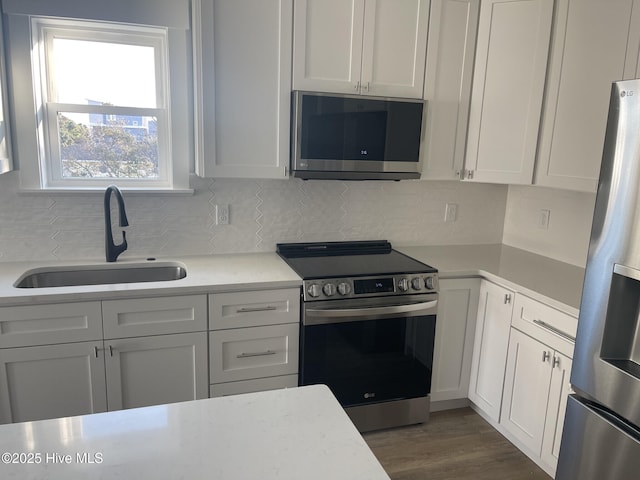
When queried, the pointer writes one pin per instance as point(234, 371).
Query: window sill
point(127, 191)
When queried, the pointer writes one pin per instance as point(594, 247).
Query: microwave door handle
point(354, 313)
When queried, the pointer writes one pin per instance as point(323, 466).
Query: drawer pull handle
point(256, 354)
point(268, 308)
point(556, 361)
point(545, 356)
point(555, 330)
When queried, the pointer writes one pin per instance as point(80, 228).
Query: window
point(101, 93)
point(103, 108)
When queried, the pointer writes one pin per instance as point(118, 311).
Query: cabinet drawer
point(48, 324)
point(154, 316)
point(254, 309)
point(255, 385)
point(245, 353)
point(552, 327)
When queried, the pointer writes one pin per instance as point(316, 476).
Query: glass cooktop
point(348, 259)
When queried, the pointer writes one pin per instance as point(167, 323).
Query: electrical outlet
point(451, 212)
point(543, 222)
point(222, 214)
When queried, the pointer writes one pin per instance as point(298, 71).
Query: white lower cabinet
point(45, 372)
point(455, 328)
point(51, 381)
point(521, 367)
point(490, 348)
point(254, 385)
point(535, 397)
point(245, 353)
point(253, 341)
point(155, 370)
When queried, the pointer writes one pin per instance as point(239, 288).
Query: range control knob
point(314, 290)
point(403, 284)
point(329, 289)
point(416, 283)
point(344, 288)
point(430, 283)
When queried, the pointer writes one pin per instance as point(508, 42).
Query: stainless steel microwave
point(355, 137)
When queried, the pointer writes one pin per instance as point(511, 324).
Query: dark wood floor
point(454, 444)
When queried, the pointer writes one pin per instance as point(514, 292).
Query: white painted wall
point(262, 213)
point(567, 237)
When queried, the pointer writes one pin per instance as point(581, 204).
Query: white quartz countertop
point(555, 283)
point(550, 281)
point(206, 273)
point(292, 434)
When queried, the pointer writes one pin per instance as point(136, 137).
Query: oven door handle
point(334, 315)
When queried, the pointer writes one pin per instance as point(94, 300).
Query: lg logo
point(627, 93)
point(369, 395)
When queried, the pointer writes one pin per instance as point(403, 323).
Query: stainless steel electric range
point(368, 328)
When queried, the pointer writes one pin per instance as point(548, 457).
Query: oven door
point(369, 350)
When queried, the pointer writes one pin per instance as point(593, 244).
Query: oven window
point(370, 361)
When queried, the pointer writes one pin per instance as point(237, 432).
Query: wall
point(567, 237)
point(36, 226)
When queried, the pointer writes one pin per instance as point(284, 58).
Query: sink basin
point(74, 276)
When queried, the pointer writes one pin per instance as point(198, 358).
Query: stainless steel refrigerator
point(601, 437)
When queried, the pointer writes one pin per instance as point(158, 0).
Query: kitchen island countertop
point(282, 434)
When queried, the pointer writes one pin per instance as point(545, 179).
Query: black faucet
point(112, 250)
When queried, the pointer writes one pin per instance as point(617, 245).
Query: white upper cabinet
point(594, 43)
point(6, 164)
point(242, 52)
point(508, 85)
point(447, 90)
point(372, 47)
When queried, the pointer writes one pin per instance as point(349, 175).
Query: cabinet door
point(455, 328)
point(6, 163)
point(254, 385)
point(526, 390)
point(394, 47)
point(450, 54)
point(490, 348)
point(256, 352)
point(29, 325)
point(327, 45)
point(588, 52)
point(243, 87)
point(558, 394)
point(51, 381)
point(508, 85)
point(254, 308)
point(155, 370)
point(138, 317)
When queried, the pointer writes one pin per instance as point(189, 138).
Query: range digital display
point(373, 285)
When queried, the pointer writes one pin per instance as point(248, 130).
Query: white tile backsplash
point(262, 213)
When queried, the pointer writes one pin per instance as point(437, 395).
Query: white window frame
point(44, 31)
point(174, 15)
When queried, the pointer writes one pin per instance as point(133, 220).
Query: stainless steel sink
point(100, 275)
